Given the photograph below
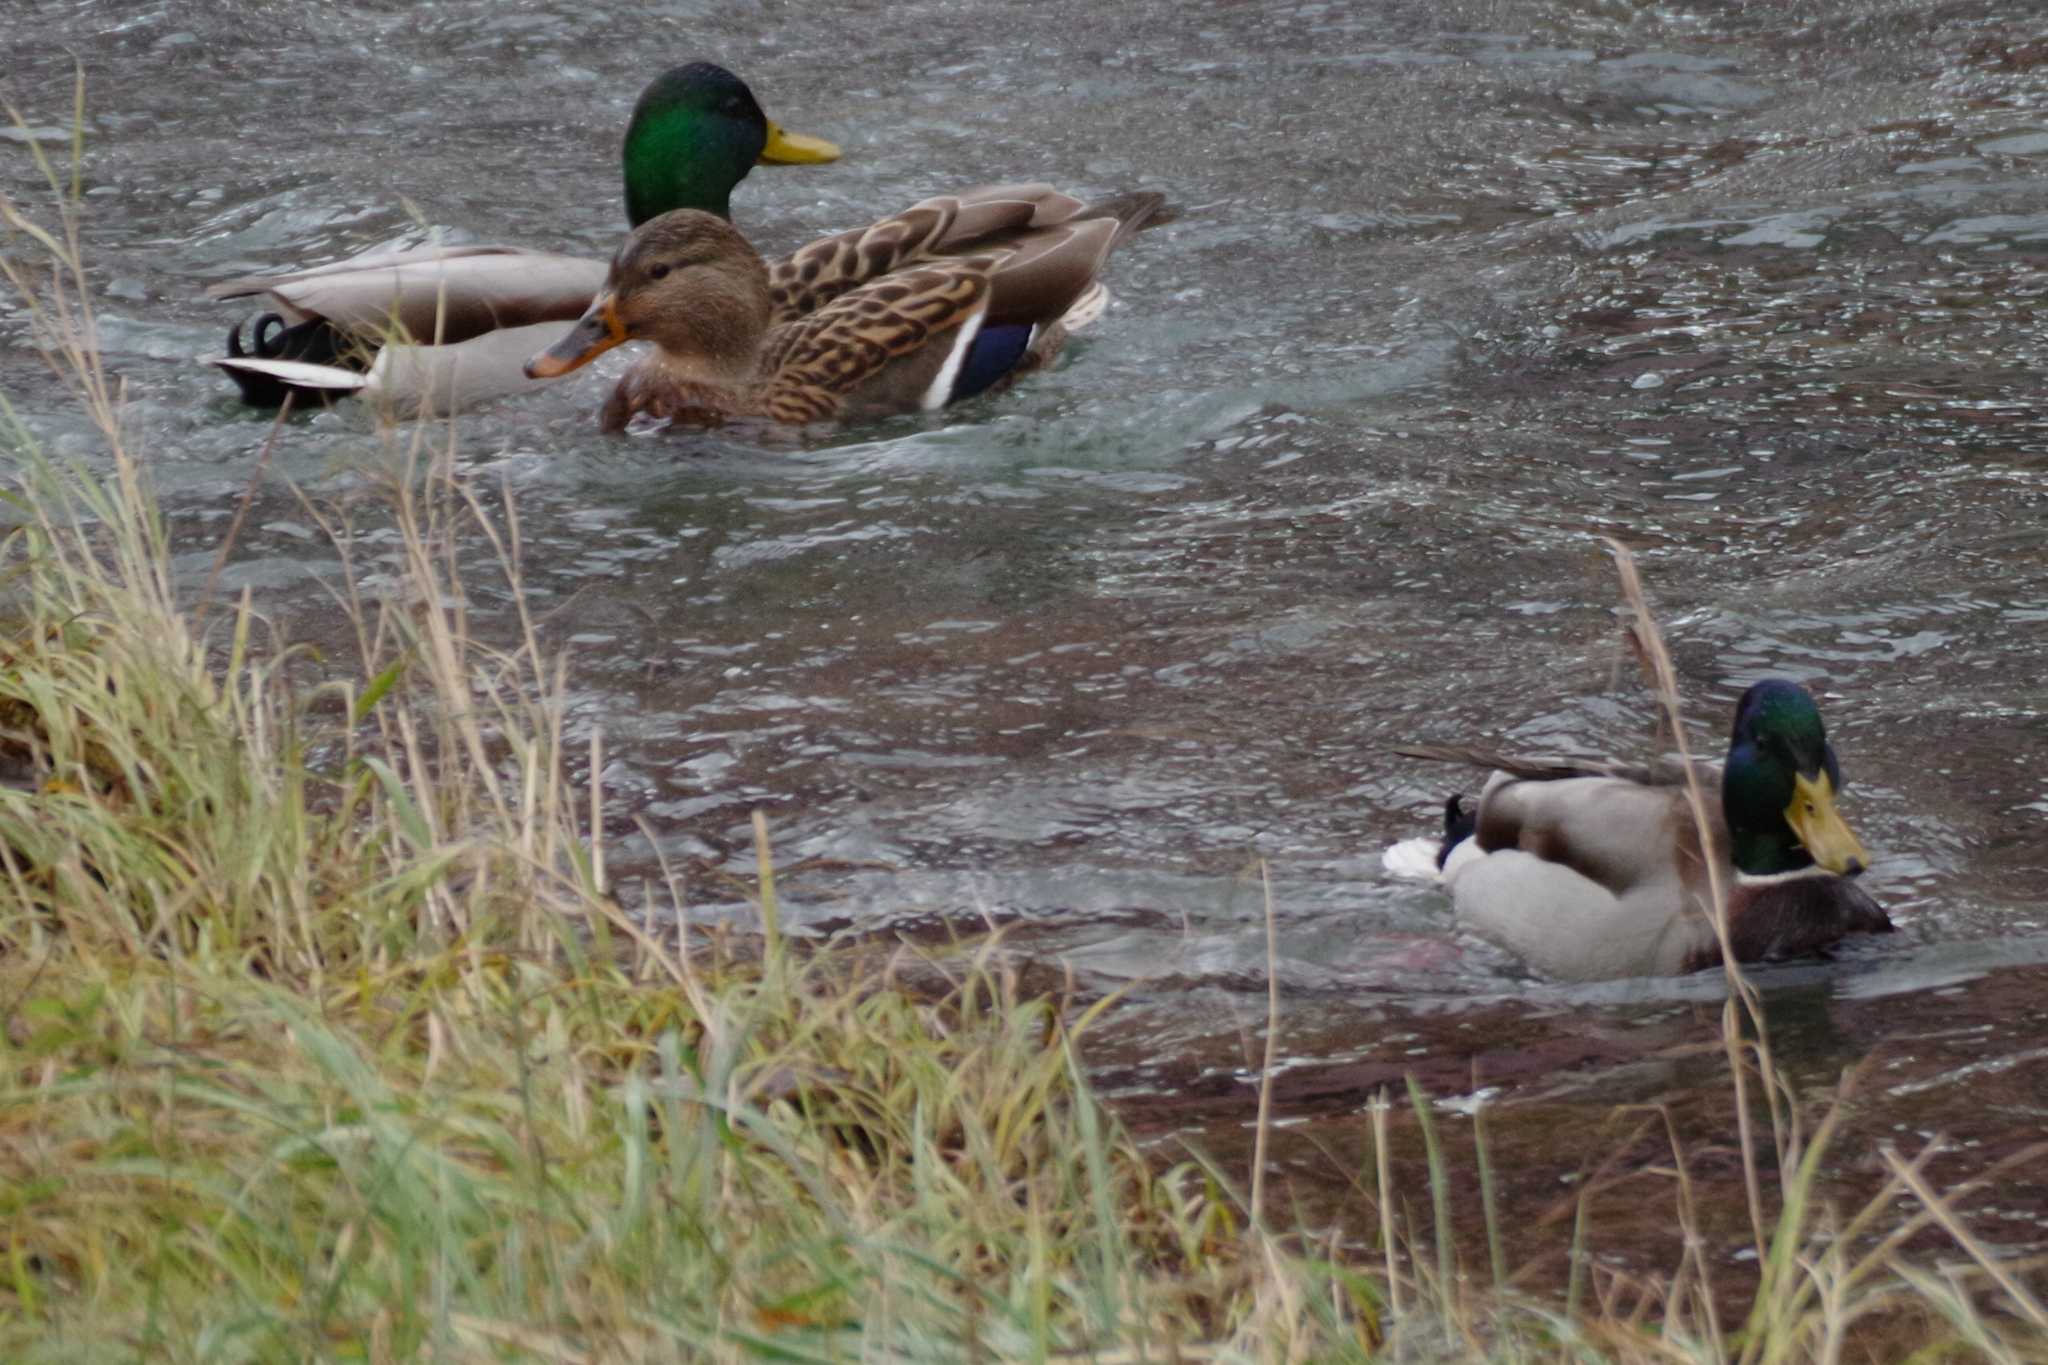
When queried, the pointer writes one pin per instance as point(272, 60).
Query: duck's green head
point(1778, 791)
point(695, 134)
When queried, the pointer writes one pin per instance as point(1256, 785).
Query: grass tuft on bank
point(324, 1039)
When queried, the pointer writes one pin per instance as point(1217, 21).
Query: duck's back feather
point(1660, 772)
point(945, 225)
point(447, 293)
point(1021, 220)
point(1623, 835)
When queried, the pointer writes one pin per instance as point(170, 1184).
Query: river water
point(1457, 289)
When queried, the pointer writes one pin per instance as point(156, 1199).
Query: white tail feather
point(1412, 860)
point(329, 377)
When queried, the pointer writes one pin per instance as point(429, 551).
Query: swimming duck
point(952, 297)
point(1591, 870)
point(473, 311)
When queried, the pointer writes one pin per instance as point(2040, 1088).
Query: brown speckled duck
point(954, 296)
point(1590, 870)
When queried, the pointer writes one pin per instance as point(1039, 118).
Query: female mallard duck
point(950, 298)
point(471, 311)
point(1593, 870)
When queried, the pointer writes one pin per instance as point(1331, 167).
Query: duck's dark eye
point(658, 272)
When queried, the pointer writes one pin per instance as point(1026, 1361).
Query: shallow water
point(1458, 289)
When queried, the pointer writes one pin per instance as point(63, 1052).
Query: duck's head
point(1778, 791)
point(695, 134)
point(686, 281)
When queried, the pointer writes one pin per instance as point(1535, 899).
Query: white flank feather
point(941, 387)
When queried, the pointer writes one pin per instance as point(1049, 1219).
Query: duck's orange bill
point(1820, 827)
point(596, 332)
point(796, 149)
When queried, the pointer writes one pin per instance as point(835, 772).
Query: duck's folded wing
point(376, 258)
point(905, 342)
point(1621, 834)
point(1049, 270)
point(434, 294)
point(886, 346)
point(946, 225)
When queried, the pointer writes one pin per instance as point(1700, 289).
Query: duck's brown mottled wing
point(946, 225)
point(866, 321)
point(447, 294)
point(880, 346)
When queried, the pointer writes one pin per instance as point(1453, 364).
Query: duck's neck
point(1768, 850)
point(715, 345)
point(701, 370)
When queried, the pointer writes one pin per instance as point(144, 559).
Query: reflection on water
point(1458, 289)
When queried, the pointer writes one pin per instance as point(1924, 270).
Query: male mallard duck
point(950, 298)
point(1593, 870)
point(695, 133)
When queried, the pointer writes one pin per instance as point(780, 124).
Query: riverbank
point(324, 1035)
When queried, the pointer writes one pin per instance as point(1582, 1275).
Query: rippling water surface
point(1458, 289)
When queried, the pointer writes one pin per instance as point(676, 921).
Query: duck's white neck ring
point(1777, 878)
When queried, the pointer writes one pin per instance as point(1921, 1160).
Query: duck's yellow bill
point(796, 149)
point(1820, 828)
point(597, 331)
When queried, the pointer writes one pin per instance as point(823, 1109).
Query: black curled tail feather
point(313, 341)
point(1460, 822)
